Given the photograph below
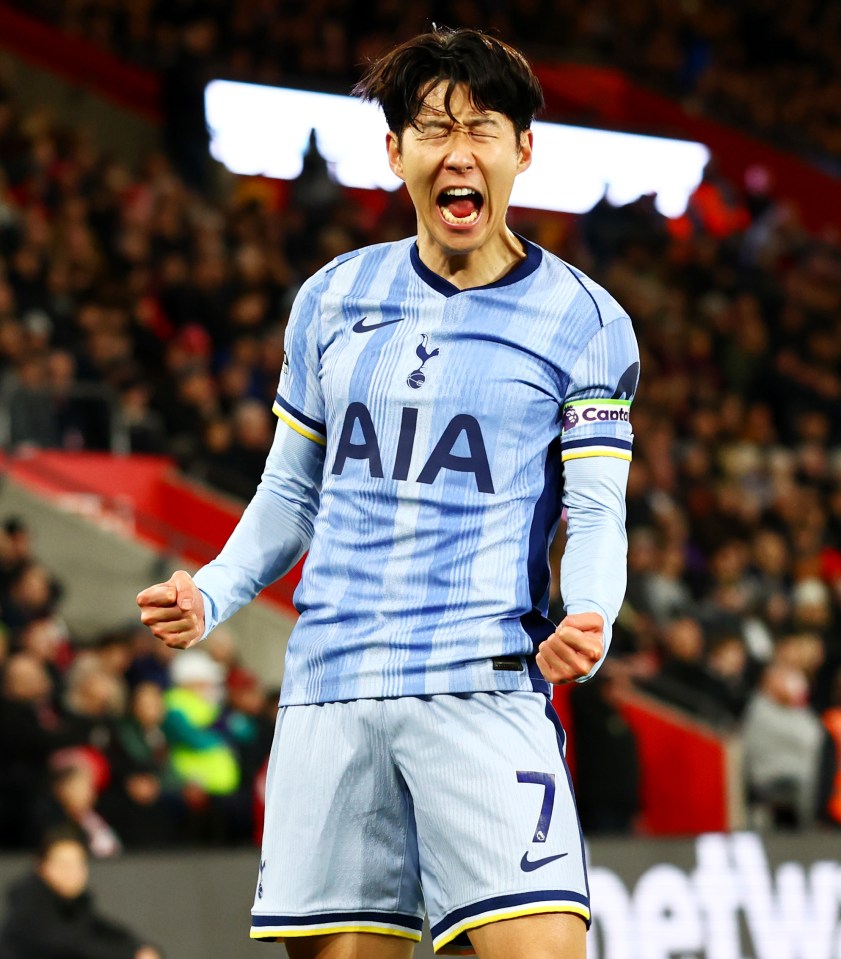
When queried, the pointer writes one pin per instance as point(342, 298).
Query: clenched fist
point(173, 611)
point(573, 649)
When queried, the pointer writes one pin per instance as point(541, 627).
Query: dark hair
point(498, 77)
point(64, 832)
point(14, 524)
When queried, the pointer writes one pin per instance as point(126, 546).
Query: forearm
point(274, 532)
point(594, 565)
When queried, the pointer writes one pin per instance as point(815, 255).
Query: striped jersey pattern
point(445, 417)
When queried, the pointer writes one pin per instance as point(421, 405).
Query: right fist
point(174, 611)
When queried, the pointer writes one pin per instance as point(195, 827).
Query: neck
point(475, 268)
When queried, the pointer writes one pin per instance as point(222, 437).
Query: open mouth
point(460, 206)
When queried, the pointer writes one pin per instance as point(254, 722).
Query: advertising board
point(718, 896)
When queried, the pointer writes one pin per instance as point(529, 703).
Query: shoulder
point(367, 259)
point(28, 892)
point(588, 299)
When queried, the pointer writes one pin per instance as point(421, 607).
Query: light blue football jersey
point(445, 415)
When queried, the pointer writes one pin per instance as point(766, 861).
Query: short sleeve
point(596, 409)
point(299, 401)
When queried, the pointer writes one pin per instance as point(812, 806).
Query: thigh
point(350, 945)
point(339, 851)
point(498, 831)
point(548, 936)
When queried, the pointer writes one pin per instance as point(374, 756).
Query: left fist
point(573, 649)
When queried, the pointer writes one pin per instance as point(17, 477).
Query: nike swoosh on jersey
point(359, 326)
point(527, 865)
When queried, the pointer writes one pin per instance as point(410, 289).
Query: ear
point(524, 158)
point(395, 160)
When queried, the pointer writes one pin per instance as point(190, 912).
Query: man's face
point(65, 869)
point(459, 175)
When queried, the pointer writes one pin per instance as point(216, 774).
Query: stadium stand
point(764, 65)
point(139, 312)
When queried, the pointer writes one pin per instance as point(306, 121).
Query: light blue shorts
point(379, 808)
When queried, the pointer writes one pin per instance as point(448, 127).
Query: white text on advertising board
point(732, 905)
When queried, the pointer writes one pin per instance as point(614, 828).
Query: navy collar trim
point(526, 266)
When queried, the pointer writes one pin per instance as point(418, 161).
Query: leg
point(549, 936)
point(339, 856)
point(498, 837)
point(350, 945)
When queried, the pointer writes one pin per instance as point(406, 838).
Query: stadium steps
point(109, 525)
point(80, 85)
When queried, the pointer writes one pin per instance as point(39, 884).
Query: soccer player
point(440, 399)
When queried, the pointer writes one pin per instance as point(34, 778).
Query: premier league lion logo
point(570, 418)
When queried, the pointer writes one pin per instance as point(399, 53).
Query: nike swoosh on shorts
point(527, 865)
point(359, 326)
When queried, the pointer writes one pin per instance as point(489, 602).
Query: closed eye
point(429, 131)
point(483, 130)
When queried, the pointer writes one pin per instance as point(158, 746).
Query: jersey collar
point(526, 266)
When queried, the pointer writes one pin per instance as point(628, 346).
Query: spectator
point(145, 796)
point(141, 743)
point(33, 593)
point(16, 552)
point(200, 754)
point(47, 639)
point(72, 800)
point(93, 702)
point(607, 768)
point(812, 606)
point(184, 82)
point(150, 660)
point(684, 680)
point(114, 653)
point(201, 749)
point(771, 569)
point(728, 680)
point(667, 594)
point(784, 742)
point(247, 721)
point(30, 731)
point(51, 913)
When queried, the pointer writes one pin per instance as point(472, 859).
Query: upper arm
point(602, 384)
point(299, 401)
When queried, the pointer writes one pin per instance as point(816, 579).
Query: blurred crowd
point(126, 289)
point(768, 66)
point(131, 289)
point(734, 499)
point(122, 740)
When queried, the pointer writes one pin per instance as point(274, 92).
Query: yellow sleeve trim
point(281, 414)
point(582, 455)
point(532, 910)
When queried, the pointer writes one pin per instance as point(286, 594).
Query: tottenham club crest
point(417, 378)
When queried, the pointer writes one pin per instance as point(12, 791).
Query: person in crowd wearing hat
point(200, 752)
point(203, 751)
